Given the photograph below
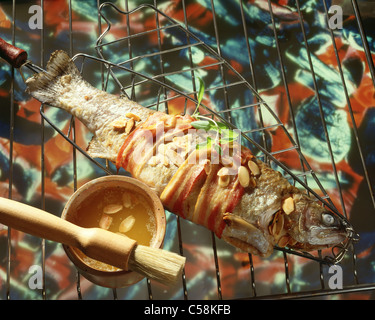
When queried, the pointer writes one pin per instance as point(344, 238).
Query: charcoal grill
point(154, 53)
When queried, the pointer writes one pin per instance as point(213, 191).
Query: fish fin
point(246, 236)
point(242, 245)
point(45, 86)
point(97, 150)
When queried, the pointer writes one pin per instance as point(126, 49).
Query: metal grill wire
point(255, 289)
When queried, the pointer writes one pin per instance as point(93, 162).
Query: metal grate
point(154, 54)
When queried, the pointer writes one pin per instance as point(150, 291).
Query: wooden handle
point(16, 57)
point(96, 243)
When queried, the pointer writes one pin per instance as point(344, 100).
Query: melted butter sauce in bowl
point(118, 204)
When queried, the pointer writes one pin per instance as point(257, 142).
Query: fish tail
point(46, 86)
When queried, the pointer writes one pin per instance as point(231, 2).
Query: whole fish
point(227, 189)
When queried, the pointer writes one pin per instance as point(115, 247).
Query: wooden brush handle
point(13, 55)
point(96, 243)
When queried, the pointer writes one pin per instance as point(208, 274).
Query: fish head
point(312, 226)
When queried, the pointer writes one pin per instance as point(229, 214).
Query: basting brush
point(109, 247)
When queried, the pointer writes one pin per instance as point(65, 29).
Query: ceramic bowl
point(113, 278)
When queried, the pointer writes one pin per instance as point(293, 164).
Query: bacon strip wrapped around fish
point(238, 197)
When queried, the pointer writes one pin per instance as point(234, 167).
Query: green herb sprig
point(223, 134)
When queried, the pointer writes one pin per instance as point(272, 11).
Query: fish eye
point(328, 219)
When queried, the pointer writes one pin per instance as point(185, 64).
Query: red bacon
point(186, 181)
point(193, 192)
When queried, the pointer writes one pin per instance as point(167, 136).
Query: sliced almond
point(126, 224)
point(239, 223)
point(227, 160)
point(207, 166)
point(133, 116)
point(119, 124)
point(174, 157)
point(224, 181)
point(126, 200)
point(224, 171)
point(161, 153)
point(253, 168)
point(112, 208)
point(105, 221)
point(129, 126)
point(288, 205)
point(243, 176)
point(252, 182)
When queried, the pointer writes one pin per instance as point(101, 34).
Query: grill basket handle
point(16, 57)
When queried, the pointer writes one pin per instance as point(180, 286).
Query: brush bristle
point(157, 264)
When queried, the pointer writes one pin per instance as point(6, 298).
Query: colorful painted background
point(37, 165)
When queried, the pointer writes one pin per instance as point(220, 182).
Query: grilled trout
point(230, 192)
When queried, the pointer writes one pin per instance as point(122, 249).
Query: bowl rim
point(158, 210)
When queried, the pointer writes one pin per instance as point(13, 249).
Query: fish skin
point(95, 108)
point(252, 214)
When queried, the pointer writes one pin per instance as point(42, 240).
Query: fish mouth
point(327, 237)
point(327, 242)
point(338, 239)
